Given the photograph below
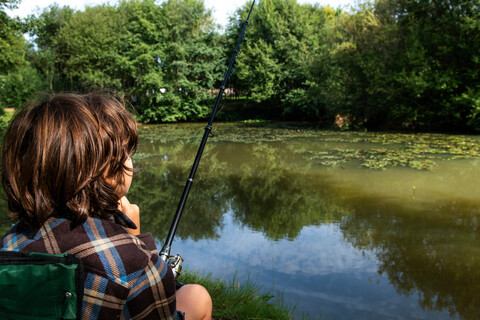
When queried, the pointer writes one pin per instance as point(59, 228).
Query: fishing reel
point(175, 262)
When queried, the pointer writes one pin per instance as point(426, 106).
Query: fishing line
point(194, 198)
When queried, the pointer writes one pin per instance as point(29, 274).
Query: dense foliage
point(11, 40)
point(390, 64)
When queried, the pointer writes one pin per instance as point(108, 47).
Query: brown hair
point(60, 158)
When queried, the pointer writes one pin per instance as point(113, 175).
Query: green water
point(344, 225)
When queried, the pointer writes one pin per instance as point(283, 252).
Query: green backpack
point(40, 286)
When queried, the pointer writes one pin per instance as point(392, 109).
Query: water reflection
point(342, 241)
point(434, 251)
point(319, 272)
point(263, 193)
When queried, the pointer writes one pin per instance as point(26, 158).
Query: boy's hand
point(133, 212)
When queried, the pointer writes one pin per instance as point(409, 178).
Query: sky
point(222, 9)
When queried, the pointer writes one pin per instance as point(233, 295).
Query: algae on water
point(372, 150)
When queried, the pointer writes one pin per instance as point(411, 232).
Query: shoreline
point(236, 300)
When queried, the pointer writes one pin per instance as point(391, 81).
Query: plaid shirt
point(124, 276)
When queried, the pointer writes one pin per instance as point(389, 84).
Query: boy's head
point(66, 157)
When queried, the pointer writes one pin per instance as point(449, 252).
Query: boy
point(66, 169)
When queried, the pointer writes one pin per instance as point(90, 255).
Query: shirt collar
point(123, 220)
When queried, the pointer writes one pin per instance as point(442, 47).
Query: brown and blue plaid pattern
point(124, 276)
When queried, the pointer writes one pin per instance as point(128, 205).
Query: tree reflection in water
point(434, 250)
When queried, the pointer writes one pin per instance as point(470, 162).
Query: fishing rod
point(176, 261)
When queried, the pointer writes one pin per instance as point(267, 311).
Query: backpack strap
point(40, 286)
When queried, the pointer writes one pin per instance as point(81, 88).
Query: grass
point(234, 300)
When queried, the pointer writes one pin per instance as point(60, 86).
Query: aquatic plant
point(372, 150)
point(381, 151)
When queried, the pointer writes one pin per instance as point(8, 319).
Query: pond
point(342, 225)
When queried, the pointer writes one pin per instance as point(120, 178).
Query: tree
point(273, 66)
point(19, 86)
point(12, 50)
point(403, 64)
point(90, 46)
point(142, 72)
point(442, 40)
point(191, 62)
point(45, 29)
point(18, 80)
point(362, 54)
point(163, 58)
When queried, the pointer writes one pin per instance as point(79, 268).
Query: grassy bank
point(236, 300)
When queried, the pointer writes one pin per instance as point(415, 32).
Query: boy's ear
point(110, 179)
